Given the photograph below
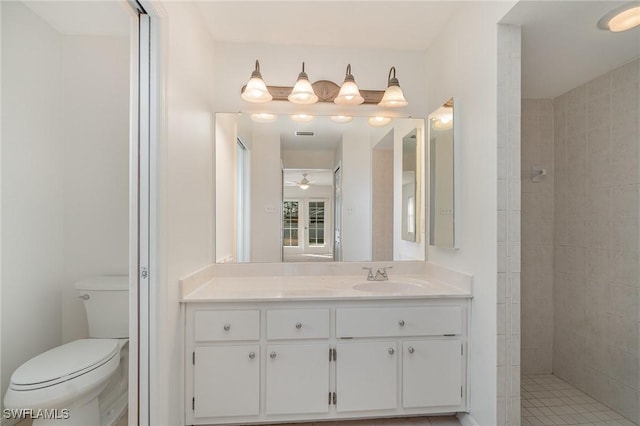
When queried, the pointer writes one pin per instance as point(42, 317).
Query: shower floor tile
point(549, 400)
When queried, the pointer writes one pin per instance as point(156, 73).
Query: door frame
point(143, 214)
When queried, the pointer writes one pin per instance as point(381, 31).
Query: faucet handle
point(370, 274)
point(383, 271)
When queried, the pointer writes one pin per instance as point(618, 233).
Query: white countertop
point(325, 287)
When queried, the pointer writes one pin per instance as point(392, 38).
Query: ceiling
point(562, 46)
point(405, 25)
point(108, 17)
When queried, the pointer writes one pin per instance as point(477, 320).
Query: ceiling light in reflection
point(264, 117)
point(378, 121)
point(621, 19)
point(341, 118)
point(302, 118)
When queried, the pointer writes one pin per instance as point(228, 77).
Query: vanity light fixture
point(393, 96)
point(305, 93)
point(349, 93)
point(263, 117)
point(302, 92)
point(341, 119)
point(302, 118)
point(622, 18)
point(256, 91)
point(379, 121)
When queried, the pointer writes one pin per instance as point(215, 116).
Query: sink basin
point(387, 287)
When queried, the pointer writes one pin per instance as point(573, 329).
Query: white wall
point(462, 62)
point(32, 187)
point(185, 193)
point(226, 146)
point(356, 194)
point(266, 194)
point(95, 125)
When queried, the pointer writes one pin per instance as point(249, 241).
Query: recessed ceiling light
point(621, 19)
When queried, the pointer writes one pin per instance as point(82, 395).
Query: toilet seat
point(64, 363)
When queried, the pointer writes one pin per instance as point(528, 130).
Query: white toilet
point(83, 382)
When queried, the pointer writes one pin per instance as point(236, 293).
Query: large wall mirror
point(318, 191)
point(442, 172)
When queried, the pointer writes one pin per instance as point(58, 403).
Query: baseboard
point(467, 419)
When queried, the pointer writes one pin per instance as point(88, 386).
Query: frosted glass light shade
point(256, 91)
point(302, 92)
point(349, 93)
point(393, 98)
point(378, 121)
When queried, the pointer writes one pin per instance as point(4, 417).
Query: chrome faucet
point(382, 274)
point(370, 274)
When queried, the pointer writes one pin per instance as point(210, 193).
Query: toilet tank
point(106, 301)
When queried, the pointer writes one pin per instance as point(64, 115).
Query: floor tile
point(548, 400)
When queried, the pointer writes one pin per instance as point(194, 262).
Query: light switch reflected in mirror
point(318, 191)
point(442, 176)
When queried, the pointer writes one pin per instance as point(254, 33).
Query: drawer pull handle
point(401, 323)
point(411, 350)
point(391, 351)
point(227, 327)
point(299, 325)
point(273, 355)
point(252, 355)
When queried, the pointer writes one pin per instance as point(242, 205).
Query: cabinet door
point(227, 381)
point(431, 373)
point(366, 377)
point(297, 379)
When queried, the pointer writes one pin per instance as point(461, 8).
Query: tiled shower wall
point(596, 285)
point(537, 236)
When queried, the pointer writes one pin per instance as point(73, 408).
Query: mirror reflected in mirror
point(318, 191)
point(442, 195)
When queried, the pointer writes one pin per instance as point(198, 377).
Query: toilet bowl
point(83, 382)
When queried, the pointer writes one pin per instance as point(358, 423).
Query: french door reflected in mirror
point(306, 229)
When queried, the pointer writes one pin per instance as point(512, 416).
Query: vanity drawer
point(226, 325)
point(412, 321)
point(297, 324)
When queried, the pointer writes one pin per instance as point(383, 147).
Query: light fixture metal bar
point(325, 90)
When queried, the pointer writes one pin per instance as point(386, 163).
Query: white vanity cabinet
point(274, 361)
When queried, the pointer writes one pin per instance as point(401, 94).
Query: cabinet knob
point(252, 355)
point(391, 351)
point(298, 325)
point(401, 323)
point(411, 350)
point(273, 355)
point(227, 327)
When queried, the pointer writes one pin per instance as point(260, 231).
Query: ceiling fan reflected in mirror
point(303, 183)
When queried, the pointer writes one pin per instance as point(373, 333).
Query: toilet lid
point(65, 362)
